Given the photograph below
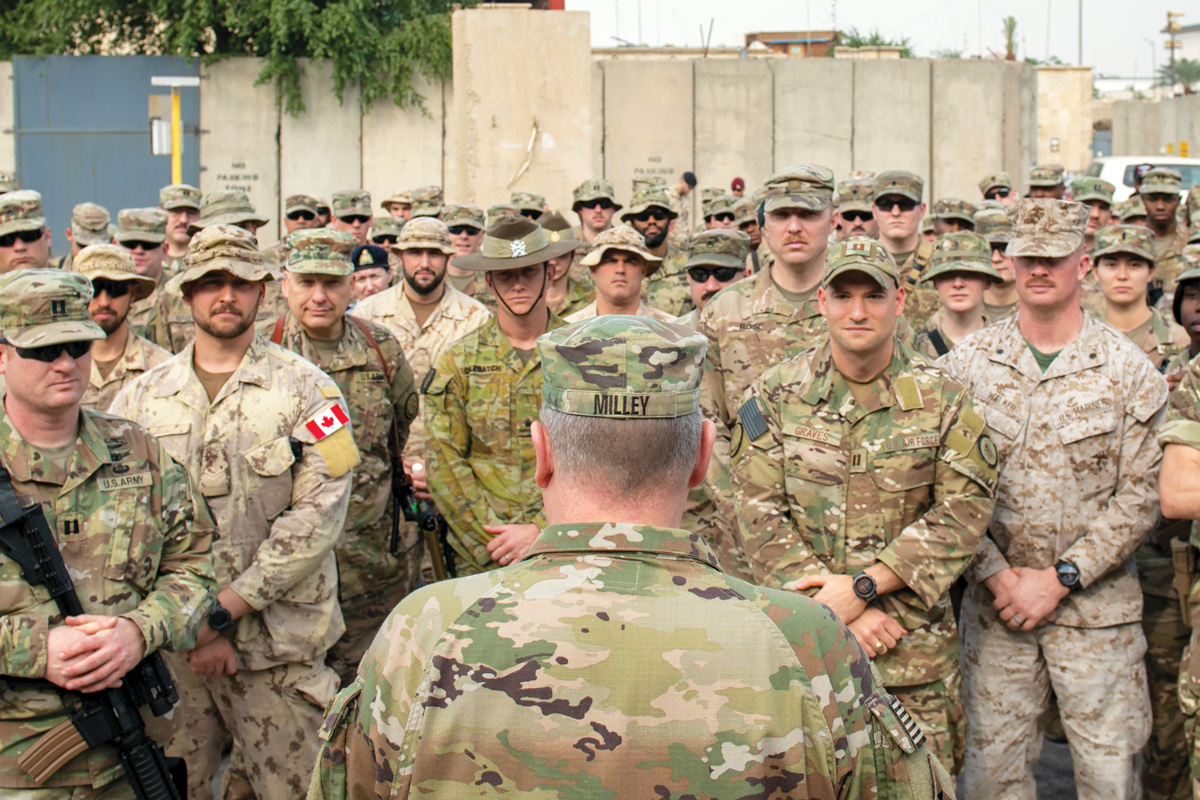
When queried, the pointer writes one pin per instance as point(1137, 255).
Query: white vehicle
point(1118, 170)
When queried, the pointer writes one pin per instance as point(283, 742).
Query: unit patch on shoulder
point(987, 449)
point(752, 419)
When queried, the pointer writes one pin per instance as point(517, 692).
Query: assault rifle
point(432, 525)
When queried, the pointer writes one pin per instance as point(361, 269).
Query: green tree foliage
point(854, 38)
point(377, 45)
point(1186, 74)
point(1010, 38)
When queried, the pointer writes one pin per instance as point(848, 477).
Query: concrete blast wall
point(8, 145)
point(1064, 124)
point(1142, 128)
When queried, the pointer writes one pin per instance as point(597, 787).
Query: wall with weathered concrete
point(1064, 103)
point(734, 114)
point(8, 144)
point(965, 94)
point(891, 116)
point(1145, 128)
point(814, 113)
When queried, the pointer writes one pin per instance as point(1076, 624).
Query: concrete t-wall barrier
point(814, 113)
point(967, 116)
point(734, 116)
point(1064, 122)
point(892, 101)
point(8, 144)
point(401, 147)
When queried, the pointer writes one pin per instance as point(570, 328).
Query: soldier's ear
point(708, 435)
point(545, 457)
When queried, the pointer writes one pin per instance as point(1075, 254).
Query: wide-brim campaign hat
point(513, 242)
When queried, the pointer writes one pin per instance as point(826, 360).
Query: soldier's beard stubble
point(226, 330)
point(428, 288)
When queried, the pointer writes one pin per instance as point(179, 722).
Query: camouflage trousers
point(1165, 773)
point(1189, 693)
point(1099, 676)
point(371, 581)
point(271, 715)
point(938, 709)
point(117, 790)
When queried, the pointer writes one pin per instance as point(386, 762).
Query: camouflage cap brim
point(593, 196)
point(500, 254)
point(1046, 182)
point(714, 260)
point(136, 236)
point(1049, 245)
point(870, 270)
point(857, 204)
point(1091, 193)
point(232, 218)
point(143, 286)
point(596, 256)
point(424, 244)
point(254, 273)
point(55, 333)
point(319, 267)
point(18, 225)
point(180, 202)
point(83, 236)
point(958, 214)
point(638, 208)
point(808, 201)
point(425, 210)
point(1123, 247)
point(974, 266)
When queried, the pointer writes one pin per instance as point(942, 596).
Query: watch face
point(864, 586)
point(1068, 574)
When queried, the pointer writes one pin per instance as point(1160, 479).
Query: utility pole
point(1081, 33)
point(1172, 43)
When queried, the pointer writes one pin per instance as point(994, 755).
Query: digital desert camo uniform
point(112, 262)
point(272, 456)
point(824, 485)
point(617, 660)
point(123, 515)
point(374, 377)
point(1079, 483)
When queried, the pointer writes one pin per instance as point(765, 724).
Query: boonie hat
point(113, 262)
point(621, 237)
point(40, 307)
point(224, 248)
point(425, 233)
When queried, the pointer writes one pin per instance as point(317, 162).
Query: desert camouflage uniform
point(456, 316)
point(1079, 484)
point(280, 512)
point(479, 407)
point(905, 480)
point(371, 580)
point(667, 289)
point(170, 323)
point(139, 356)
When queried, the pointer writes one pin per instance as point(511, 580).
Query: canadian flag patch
point(327, 421)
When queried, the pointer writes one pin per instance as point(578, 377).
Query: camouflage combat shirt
point(140, 355)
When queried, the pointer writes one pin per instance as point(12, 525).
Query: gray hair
point(630, 458)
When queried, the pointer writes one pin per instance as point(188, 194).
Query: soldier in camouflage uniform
point(998, 187)
point(716, 259)
point(299, 213)
point(650, 214)
point(8, 182)
point(855, 215)
point(595, 201)
point(352, 213)
point(385, 231)
point(1054, 602)
point(864, 471)
point(1131, 211)
point(426, 201)
point(1046, 180)
point(718, 212)
point(482, 398)
point(1185, 308)
point(398, 205)
point(24, 234)
point(1159, 193)
point(961, 271)
point(374, 571)
point(953, 214)
point(142, 232)
point(620, 263)
point(529, 204)
point(898, 211)
point(122, 355)
point(1097, 195)
point(564, 295)
point(466, 225)
point(631, 627)
point(182, 206)
point(138, 552)
point(89, 225)
point(266, 438)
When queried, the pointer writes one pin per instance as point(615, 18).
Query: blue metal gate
point(83, 132)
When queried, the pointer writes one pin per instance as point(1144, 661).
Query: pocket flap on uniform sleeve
point(271, 459)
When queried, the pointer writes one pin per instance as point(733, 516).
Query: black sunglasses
point(723, 216)
point(722, 274)
point(994, 193)
point(470, 230)
point(526, 212)
point(599, 202)
point(655, 213)
point(147, 246)
point(28, 237)
point(385, 238)
point(858, 216)
point(298, 215)
point(114, 289)
point(354, 219)
point(888, 203)
point(50, 353)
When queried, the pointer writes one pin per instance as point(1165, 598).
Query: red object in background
point(558, 5)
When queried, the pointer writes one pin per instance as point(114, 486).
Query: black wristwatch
point(219, 618)
point(864, 587)
point(1068, 575)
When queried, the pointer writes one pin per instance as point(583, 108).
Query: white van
point(1118, 170)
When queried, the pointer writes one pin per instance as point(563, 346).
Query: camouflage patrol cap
point(994, 225)
point(718, 248)
point(954, 208)
point(745, 210)
point(141, 225)
point(1087, 188)
point(224, 248)
point(926, 224)
point(386, 226)
point(721, 204)
point(425, 233)
point(463, 214)
point(401, 196)
point(622, 367)
point(8, 182)
point(322, 206)
point(1046, 228)
point(650, 198)
point(1132, 207)
point(621, 237)
point(1161, 180)
point(1190, 274)
point(997, 180)
point(1047, 175)
point(558, 229)
point(856, 194)
point(351, 202)
point(594, 189)
point(961, 251)
point(528, 201)
point(861, 254)
point(900, 182)
point(40, 307)
point(21, 211)
point(645, 183)
point(426, 201)
point(804, 186)
point(179, 195)
point(1134, 240)
point(301, 202)
point(113, 262)
point(320, 251)
point(709, 192)
point(225, 207)
point(494, 213)
point(89, 225)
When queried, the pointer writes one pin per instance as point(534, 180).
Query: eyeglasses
point(50, 353)
point(994, 193)
point(654, 213)
point(858, 216)
point(470, 230)
point(146, 246)
point(724, 216)
point(722, 274)
point(525, 212)
point(599, 202)
point(385, 238)
point(295, 216)
point(354, 219)
point(112, 288)
point(28, 237)
point(886, 204)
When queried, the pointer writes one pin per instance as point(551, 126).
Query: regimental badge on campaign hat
point(320, 251)
point(40, 307)
point(1136, 240)
point(1046, 228)
point(513, 242)
point(625, 238)
point(861, 254)
point(961, 251)
point(558, 229)
point(804, 186)
point(622, 367)
point(113, 262)
point(89, 225)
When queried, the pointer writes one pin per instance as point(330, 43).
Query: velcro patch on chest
point(753, 421)
point(113, 483)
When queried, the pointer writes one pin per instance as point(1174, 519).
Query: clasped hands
point(92, 652)
point(1026, 598)
point(875, 631)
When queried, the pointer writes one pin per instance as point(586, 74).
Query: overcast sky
point(1113, 32)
